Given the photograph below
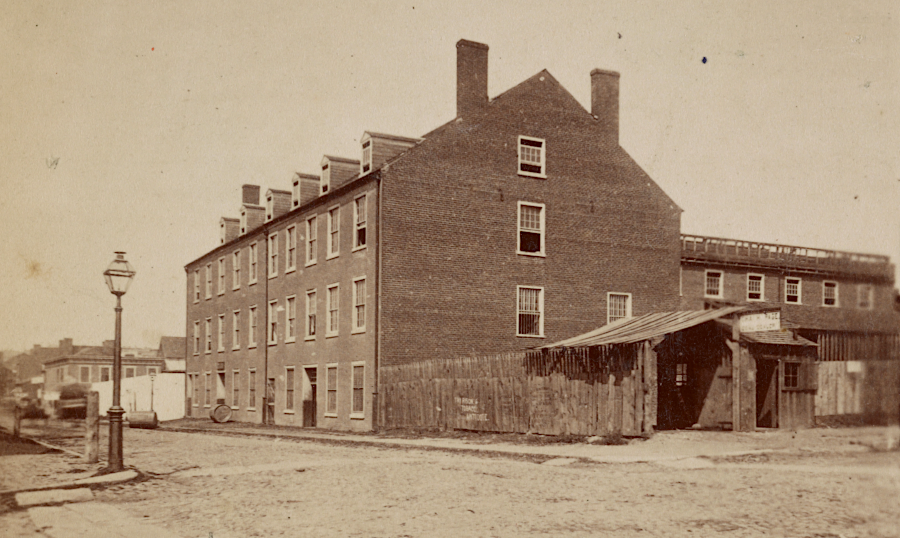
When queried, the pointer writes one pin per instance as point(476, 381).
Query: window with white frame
point(357, 406)
point(196, 285)
point(829, 293)
point(331, 387)
point(84, 374)
point(865, 295)
point(333, 302)
point(359, 217)
point(221, 339)
point(208, 331)
point(236, 270)
point(273, 255)
point(530, 318)
point(618, 306)
point(334, 232)
point(365, 165)
point(196, 338)
point(325, 182)
point(792, 290)
point(291, 248)
point(531, 229)
point(254, 256)
point(290, 328)
point(311, 314)
point(236, 329)
point(713, 285)
point(235, 389)
point(208, 280)
point(273, 322)
point(251, 389)
point(359, 305)
point(251, 329)
point(532, 157)
point(104, 373)
point(755, 287)
point(220, 276)
point(289, 389)
point(311, 240)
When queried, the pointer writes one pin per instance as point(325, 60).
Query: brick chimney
point(471, 77)
point(605, 100)
point(306, 188)
point(229, 229)
point(250, 194)
point(65, 346)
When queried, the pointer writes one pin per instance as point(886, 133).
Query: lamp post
point(118, 277)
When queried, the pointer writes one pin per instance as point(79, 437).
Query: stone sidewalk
point(92, 520)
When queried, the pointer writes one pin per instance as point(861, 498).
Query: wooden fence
point(867, 388)
point(574, 391)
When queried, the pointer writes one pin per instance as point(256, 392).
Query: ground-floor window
point(104, 373)
point(331, 390)
point(289, 389)
point(207, 386)
point(251, 389)
point(236, 388)
point(680, 374)
point(791, 375)
point(358, 406)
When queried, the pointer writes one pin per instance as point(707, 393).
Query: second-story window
point(196, 285)
point(532, 157)
point(311, 314)
point(290, 329)
point(829, 293)
point(618, 306)
point(251, 329)
point(865, 295)
point(311, 240)
point(236, 329)
point(196, 338)
point(208, 331)
point(530, 312)
point(359, 217)
point(273, 255)
point(333, 302)
point(792, 290)
point(273, 322)
point(254, 256)
point(236, 270)
point(531, 229)
point(334, 232)
point(755, 289)
point(208, 280)
point(221, 339)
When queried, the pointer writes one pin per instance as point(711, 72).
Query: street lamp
point(118, 277)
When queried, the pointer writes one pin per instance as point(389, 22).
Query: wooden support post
point(92, 428)
point(736, 376)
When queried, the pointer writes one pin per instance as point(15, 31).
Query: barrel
point(220, 413)
point(142, 419)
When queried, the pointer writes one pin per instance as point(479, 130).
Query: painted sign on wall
point(763, 321)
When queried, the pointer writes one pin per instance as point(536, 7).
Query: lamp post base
point(115, 463)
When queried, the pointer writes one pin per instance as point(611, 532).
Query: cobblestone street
point(229, 486)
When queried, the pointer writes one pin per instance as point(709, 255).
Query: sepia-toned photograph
point(392, 269)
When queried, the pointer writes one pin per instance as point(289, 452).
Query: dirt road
point(237, 487)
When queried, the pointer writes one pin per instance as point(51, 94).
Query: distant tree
point(896, 299)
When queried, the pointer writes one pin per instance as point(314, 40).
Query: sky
point(132, 125)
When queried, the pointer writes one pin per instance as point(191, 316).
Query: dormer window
point(243, 221)
point(326, 178)
point(270, 205)
point(532, 157)
point(366, 162)
point(222, 233)
point(295, 194)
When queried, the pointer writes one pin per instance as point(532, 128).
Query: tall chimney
point(250, 194)
point(471, 76)
point(605, 100)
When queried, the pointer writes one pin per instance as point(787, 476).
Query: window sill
point(197, 405)
point(756, 300)
point(361, 247)
point(792, 302)
point(290, 269)
point(290, 340)
point(309, 263)
point(272, 343)
point(830, 306)
point(221, 293)
point(332, 256)
point(310, 338)
point(251, 409)
point(252, 282)
point(236, 348)
point(530, 336)
point(273, 276)
point(206, 406)
point(251, 346)
point(357, 416)
point(208, 352)
point(358, 331)
point(713, 296)
point(532, 174)
point(235, 289)
point(532, 254)
point(220, 350)
point(330, 415)
point(235, 408)
point(332, 335)
point(288, 411)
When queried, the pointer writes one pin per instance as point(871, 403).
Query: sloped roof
point(172, 347)
point(629, 331)
point(780, 338)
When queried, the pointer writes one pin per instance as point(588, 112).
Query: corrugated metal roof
point(628, 331)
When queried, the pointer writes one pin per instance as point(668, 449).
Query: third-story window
point(713, 284)
point(208, 328)
point(359, 217)
point(531, 228)
point(236, 270)
point(865, 296)
point(273, 255)
point(530, 320)
point(220, 277)
point(829, 293)
point(196, 285)
point(291, 248)
point(618, 306)
point(310, 240)
point(311, 314)
point(273, 322)
point(359, 305)
point(333, 302)
point(792, 290)
point(254, 256)
point(236, 329)
point(532, 157)
point(334, 232)
point(290, 329)
point(755, 289)
point(251, 330)
point(208, 280)
point(196, 337)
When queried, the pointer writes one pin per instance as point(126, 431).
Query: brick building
point(93, 364)
point(520, 222)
